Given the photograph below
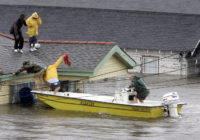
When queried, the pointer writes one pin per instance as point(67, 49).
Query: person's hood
point(35, 15)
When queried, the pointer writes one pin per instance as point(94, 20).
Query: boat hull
point(75, 104)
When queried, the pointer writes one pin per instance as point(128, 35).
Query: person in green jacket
point(28, 68)
point(139, 86)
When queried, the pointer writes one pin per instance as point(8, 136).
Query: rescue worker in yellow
point(33, 23)
point(52, 75)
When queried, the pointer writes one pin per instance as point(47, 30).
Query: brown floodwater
point(42, 122)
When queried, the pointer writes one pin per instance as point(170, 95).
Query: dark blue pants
point(33, 40)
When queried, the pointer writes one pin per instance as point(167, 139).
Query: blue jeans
point(33, 40)
point(55, 85)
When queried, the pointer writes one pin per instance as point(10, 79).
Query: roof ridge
point(65, 42)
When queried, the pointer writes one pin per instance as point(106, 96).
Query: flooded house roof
point(129, 29)
point(84, 56)
point(170, 6)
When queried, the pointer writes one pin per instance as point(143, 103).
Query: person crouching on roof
point(52, 75)
point(33, 23)
point(28, 68)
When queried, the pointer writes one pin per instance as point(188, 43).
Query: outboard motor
point(170, 100)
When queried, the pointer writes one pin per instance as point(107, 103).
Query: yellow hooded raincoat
point(32, 23)
point(51, 71)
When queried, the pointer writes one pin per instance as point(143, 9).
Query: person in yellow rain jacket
point(33, 23)
point(52, 75)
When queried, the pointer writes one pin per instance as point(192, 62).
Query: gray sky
point(172, 6)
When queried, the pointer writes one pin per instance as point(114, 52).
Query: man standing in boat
point(139, 86)
point(52, 75)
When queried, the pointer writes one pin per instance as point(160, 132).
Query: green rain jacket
point(30, 68)
point(139, 85)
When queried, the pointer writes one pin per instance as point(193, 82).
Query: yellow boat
point(118, 105)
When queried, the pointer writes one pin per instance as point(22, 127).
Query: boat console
point(124, 96)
